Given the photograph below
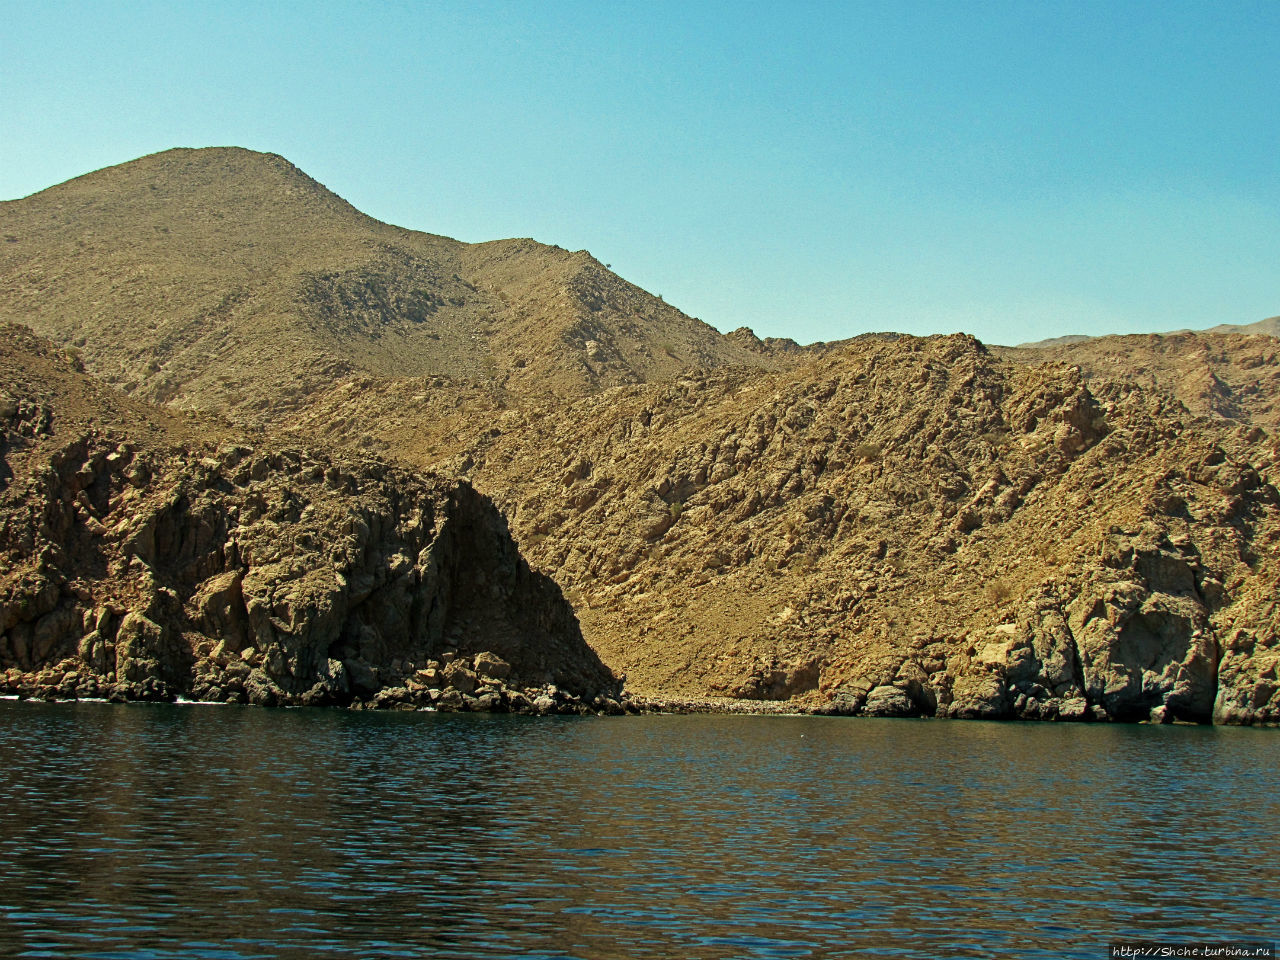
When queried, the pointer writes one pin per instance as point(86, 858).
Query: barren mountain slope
point(918, 519)
point(147, 555)
point(1230, 375)
point(889, 525)
point(222, 278)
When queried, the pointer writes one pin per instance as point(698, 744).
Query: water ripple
point(153, 831)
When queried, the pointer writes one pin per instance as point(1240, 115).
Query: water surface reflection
point(155, 830)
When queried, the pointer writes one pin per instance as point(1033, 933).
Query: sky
point(1014, 170)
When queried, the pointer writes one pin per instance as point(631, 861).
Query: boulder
point(1249, 678)
point(460, 678)
point(889, 701)
point(980, 697)
point(491, 665)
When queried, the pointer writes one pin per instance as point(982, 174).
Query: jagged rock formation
point(147, 570)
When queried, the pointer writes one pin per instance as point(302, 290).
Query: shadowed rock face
point(275, 578)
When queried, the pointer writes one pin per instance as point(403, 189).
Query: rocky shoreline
point(286, 578)
point(471, 686)
point(271, 577)
point(453, 684)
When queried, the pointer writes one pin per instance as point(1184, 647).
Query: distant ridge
point(1056, 341)
point(1269, 327)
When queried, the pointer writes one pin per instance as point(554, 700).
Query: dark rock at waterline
point(888, 701)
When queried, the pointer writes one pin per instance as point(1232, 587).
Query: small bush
point(867, 451)
point(998, 592)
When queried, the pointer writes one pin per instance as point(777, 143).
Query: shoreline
point(626, 705)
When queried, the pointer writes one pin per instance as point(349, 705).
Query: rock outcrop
point(149, 571)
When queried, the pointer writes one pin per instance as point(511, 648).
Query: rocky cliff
point(149, 567)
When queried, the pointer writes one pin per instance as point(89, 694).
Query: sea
point(192, 831)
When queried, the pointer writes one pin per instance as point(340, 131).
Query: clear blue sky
point(1017, 170)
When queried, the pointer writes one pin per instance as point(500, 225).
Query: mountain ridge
point(185, 275)
point(887, 525)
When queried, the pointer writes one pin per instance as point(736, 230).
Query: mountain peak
point(232, 181)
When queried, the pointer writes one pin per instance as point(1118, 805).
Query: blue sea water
point(159, 831)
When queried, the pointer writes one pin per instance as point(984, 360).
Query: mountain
point(228, 279)
point(907, 526)
point(888, 525)
point(967, 530)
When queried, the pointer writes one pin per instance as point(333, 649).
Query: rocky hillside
point(887, 526)
point(908, 526)
point(1225, 375)
point(953, 530)
point(144, 556)
point(223, 279)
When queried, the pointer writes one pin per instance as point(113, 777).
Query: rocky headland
point(262, 448)
point(152, 564)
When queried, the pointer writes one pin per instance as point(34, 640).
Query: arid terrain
point(267, 448)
